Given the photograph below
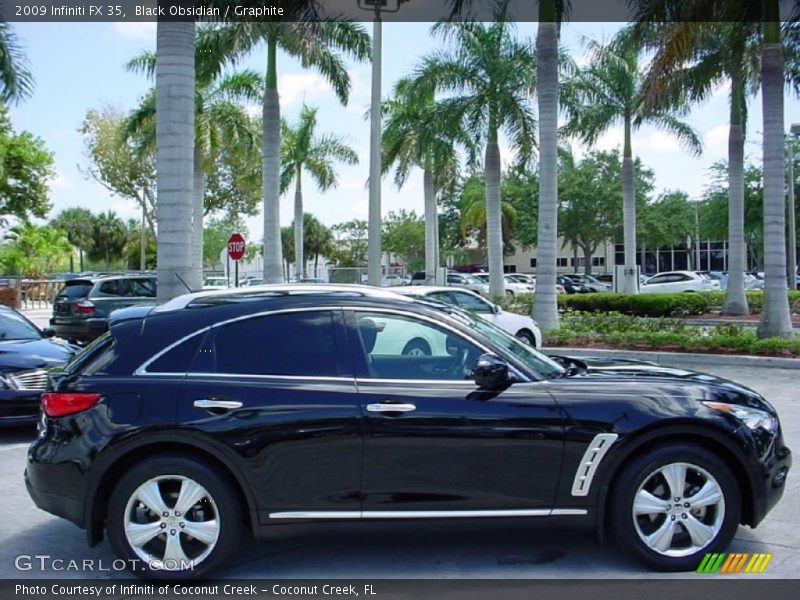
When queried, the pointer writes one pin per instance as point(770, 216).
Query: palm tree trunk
point(629, 213)
point(299, 258)
point(494, 223)
point(587, 257)
point(775, 317)
point(431, 225)
point(174, 153)
point(545, 307)
point(196, 282)
point(735, 298)
point(271, 163)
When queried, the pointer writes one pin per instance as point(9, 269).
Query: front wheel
point(173, 518)
point(671, 506)
point(526, 337)
point(417, 347)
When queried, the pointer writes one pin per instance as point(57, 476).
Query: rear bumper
point(54, 483)
point(84, 329)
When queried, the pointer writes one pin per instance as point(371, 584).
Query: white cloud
point(60, 182)
point(139, 30)
point(715, 142)
point(660, 141)
point(296, 88)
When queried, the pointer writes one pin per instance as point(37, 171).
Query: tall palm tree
point(320, 45)
point(775, 316)
point(16, 81)
point(609, 90)
point(488, 77)
point(776, 319)
point(302, 148)
point(691, 60)
point(76, 223)
point(545, 306)
point(220, 121)
point(419, 134)
point(174, 153)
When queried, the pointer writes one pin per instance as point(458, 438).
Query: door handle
point(223, 405)
point(390, 408)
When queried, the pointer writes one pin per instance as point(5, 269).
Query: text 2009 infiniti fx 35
point(226, 410)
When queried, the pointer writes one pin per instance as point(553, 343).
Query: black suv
point(289, 404)
point(82, 306)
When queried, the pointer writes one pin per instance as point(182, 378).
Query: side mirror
point(48, 332)
point(495, 309)
point(491, 373)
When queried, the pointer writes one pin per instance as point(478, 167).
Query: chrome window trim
point(425, 514)
point(587, 467)
point(142, 369)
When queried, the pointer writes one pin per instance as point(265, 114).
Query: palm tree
point(174, 153)
point(419, 134)
point(302, 148)
point(221, 121)
point(611, 89)
point(545, 306)
point(16, 81)
point(109, 236)
point(76, 223)
point(776, 319)
point(488, 76)
point(690, 60)
point(319, 45)
point(474, 220)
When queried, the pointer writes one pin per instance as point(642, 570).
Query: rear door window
point(288, 344)
point(111, 287)
point(142, 288)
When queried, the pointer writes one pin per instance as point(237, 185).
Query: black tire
point(635, 473)
point(417, 346)
point(526, 337)
point(228, 513)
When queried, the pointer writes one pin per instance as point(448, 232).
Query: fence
point(26, 294)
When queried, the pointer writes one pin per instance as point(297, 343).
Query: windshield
point(16, 327)
point(534, 360)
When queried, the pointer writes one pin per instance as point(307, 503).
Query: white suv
point(679, 281)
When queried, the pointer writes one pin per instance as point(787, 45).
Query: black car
point(82, 307)
point(26, 353)
point(571, 286)
point(226, 410)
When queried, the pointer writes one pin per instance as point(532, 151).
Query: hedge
point(636, 333)
point(646, 305)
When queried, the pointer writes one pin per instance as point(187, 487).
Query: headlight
point(752, 417)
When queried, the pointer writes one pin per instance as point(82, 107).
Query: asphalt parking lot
point(495, 550)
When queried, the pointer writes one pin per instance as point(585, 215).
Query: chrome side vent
point(591, 459)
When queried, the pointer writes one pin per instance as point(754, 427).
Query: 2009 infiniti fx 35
point(226, 410)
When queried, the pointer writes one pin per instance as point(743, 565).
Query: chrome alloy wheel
point(679, 509)
point(171, 522)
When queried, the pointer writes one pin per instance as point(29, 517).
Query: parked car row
point(171, 440)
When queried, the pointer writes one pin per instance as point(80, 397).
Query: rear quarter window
point(177, 359)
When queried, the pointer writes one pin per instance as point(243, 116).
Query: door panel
point(459, 448)
point(449, 446)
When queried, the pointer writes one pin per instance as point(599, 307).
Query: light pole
point(374, 219)
point(792, 254)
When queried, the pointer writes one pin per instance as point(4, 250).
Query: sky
point(80, 66)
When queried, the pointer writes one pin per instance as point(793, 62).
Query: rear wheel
point(672, 506)
point(173, 518)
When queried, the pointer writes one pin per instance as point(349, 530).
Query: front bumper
point(19, 407)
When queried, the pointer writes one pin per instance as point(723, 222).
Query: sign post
point(236, 248)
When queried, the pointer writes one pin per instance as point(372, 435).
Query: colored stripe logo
point(735, 562)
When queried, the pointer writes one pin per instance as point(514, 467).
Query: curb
point(731, 360)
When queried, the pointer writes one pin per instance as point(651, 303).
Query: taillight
point(61, 404)
point(83, 307)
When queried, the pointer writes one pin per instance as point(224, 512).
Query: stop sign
point(236, 246)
